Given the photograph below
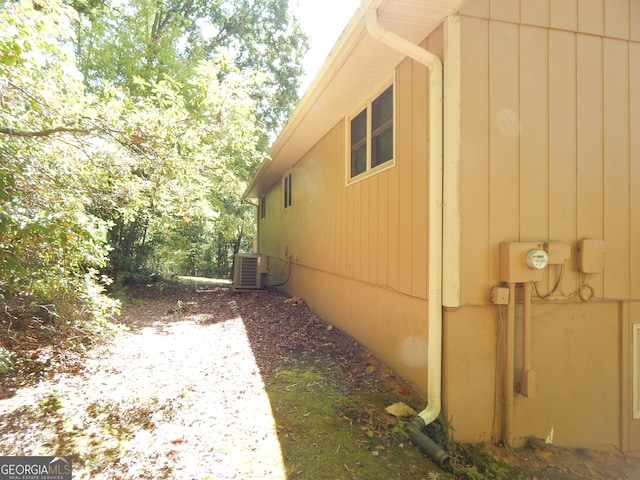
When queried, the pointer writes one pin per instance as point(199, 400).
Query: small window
point(286, 189)
point(371, 135)
point(263, 207)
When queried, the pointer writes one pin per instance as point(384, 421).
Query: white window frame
point(389, 82)
point(262, 207)
point(287, 190)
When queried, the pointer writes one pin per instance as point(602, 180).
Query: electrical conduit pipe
point(527, 377)
point(434, 372)
point(507, 428)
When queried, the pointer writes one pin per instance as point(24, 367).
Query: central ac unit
point(249, 271)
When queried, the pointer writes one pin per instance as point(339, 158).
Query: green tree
point(121, 40)
point(89, 181)
point(51, 248)
point(134, 44)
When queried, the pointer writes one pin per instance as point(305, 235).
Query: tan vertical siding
point(419, 178)
point(562, 130)
point(505, 10)
point(535, 12)
point(590, 195)
point(534, 128)
point(405, 170)
point(374, 248)
point(474, 152)
point(562, 140)
point(476, 8)
point(504, 128)
point(634, 170)
point(616, 18)
point(591, 16)
point(562, 163)
point(634, 21)
point(374, 230)
point(563, 15)
point(394, 228)
point(382, 203)
point(616, 167)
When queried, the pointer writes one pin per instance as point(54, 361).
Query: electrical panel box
point(522, 262)
point(591, 255)
point(499, 296)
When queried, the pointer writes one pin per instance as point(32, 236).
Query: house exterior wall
point(550, 151)
point(358, 251)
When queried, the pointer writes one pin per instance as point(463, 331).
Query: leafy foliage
point(7, 360)
point(50, 247)
point(153, 39)
point(106, 182)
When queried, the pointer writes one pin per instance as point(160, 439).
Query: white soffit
point(355, 66)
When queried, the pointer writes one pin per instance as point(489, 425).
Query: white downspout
point(433, 63)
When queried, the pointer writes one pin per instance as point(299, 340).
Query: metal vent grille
point(248, 270)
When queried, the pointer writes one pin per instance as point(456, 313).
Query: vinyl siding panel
point(634, 172)
point(563, 15)
point(562, 130)
point(589, 172)
point(550, 152)
point(419, 221)
point(504, 128)
point(534, 128)
point(562, 143)
point(474, 156)
point(535, 12)
point(382, 202)
point(404, 146)
point(373, 230)
point(616, 168)
point(591, 16)
point(616, 18)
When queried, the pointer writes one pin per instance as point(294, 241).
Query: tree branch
point(42, 133)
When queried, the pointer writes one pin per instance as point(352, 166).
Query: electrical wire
point(288, 262)
point(555, 287)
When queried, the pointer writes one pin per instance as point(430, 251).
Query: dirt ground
point(182, 393)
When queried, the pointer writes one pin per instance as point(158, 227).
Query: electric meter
point(537, 259)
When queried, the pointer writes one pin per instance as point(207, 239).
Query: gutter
point(436, 129)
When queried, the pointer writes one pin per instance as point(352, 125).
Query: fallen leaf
point(400, 409)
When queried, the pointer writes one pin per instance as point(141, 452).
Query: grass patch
point(325, 434)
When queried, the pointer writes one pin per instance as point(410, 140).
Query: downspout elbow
point(395, 41)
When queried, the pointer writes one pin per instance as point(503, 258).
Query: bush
point(7, 360)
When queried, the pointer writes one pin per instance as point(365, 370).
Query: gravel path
point(180, 389)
